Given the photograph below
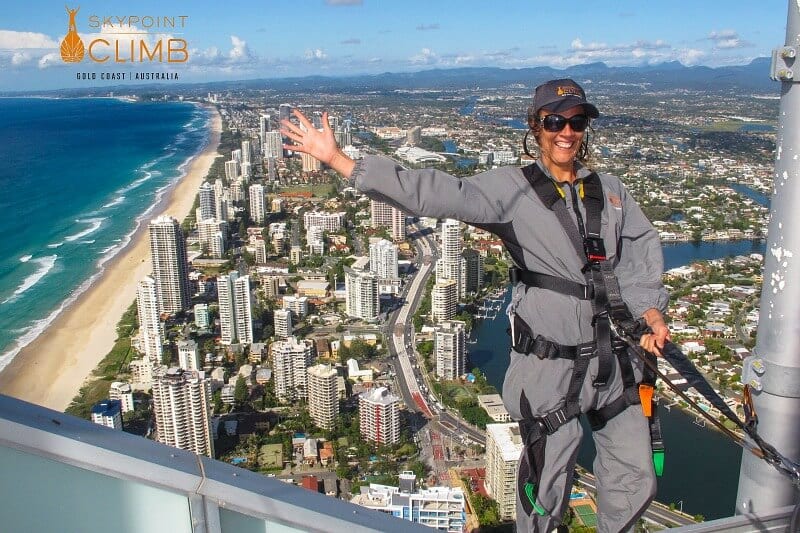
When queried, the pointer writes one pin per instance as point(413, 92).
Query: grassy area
point(320, 190)
point(729, 126)
point(96, 387)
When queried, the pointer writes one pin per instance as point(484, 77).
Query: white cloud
point(20, 40)
point(52, 59)
point(727, 40)
point(316, 54)
point(20, 58)
point(426, 56)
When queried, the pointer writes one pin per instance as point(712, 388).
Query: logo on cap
point(568, 90)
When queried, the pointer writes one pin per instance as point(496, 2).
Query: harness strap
point(552, 283)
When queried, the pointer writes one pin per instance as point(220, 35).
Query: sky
point(247, 39)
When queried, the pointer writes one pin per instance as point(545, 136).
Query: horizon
point(350, 38)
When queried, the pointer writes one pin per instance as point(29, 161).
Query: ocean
point(78, 178)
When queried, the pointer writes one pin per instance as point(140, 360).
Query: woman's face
point(560, 148)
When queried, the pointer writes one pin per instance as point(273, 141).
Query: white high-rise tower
point(235, 309)
point(151, 330)
point(182, 407)
point(170, 266)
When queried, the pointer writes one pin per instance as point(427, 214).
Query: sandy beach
point(51, 370)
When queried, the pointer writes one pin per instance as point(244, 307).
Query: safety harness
point(601, 288)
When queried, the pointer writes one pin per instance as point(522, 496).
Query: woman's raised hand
point(319, 144)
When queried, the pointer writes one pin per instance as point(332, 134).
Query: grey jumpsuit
point(503, 202)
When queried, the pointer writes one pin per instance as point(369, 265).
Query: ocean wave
point(46, 264)
point(87, 242)
point(95, 224)
point(116, 201)
point(135, 183)
point(25, 258)
point(56, 244)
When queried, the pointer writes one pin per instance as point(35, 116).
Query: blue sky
point(268, 39)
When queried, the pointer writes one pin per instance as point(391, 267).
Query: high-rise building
point(503, 449)
point(379, 416)
point(315, 240)
point(213, 236)
point(272, 169)
point(310, 163)
point(258, 203)
point(383, 259)
point(247, 152)
point(201, 316)
point(236, 190)
point(414, 136)
point(384, 215)
point(290, 358)
point(329, 222)
point(264, 125)
point(449, 265)
point(473, 271)
point(231, 170)
point(261, 250)
point(282, 322)
point(170, 266)
point(151, 329)
point(108, 413)
point(284, 111)
point(298, 305)
point(236, 155)
point(235, 309)
point(271, 286)
point(444, 300)
point(182, 408)
point(208, 204)
point(124, 393)
point(323, 395)
point(449, 349)
point(273, 146)
point(189, 355)
point(247, 171)
point(361, 294)
point(141, 373)
point(439, 508)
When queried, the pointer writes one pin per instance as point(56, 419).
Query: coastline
point(51, 369)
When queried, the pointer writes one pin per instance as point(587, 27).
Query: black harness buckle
point(595, 249)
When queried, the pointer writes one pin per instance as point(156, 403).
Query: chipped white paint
point(785, 175)
point(780, 150)
point(777, 252)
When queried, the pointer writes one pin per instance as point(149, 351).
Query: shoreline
point(52, 368)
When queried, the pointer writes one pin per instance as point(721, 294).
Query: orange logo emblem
point(72, 46)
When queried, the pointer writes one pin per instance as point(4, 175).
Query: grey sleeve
point(641, 261)
point(486, 198)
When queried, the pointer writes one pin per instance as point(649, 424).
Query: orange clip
point(646, 397)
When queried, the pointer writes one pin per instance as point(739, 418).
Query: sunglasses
point(554, 123)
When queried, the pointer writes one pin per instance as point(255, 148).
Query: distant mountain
point(753, 77)
point(750, 78)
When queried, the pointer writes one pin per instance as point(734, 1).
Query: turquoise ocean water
point(78, 177)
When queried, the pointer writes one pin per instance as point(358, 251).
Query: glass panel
point(39, 494)
point(233, 522)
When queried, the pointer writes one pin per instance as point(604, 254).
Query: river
point(701, 467)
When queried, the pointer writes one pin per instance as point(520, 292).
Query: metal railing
point(62, 473)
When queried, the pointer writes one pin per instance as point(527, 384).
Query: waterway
point(702, 467)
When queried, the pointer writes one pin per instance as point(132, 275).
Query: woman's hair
point(534, 127)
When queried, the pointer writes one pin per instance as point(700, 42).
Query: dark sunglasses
point(554, 123)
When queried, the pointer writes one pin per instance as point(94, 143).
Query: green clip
point(530, 491)
point(658, 462)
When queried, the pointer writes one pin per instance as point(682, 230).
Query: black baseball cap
point(560, 95)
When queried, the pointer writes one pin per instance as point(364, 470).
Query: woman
point(581, 245)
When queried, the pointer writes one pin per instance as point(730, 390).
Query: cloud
point(344, 2)
point(315, 55)
point(20, 40)
point(240, 52)
point(427, 27)
point(50, 60)
point(426, 56)
point(351, 41)
point(727, 39)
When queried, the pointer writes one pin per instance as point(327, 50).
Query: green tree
point(240, 392)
